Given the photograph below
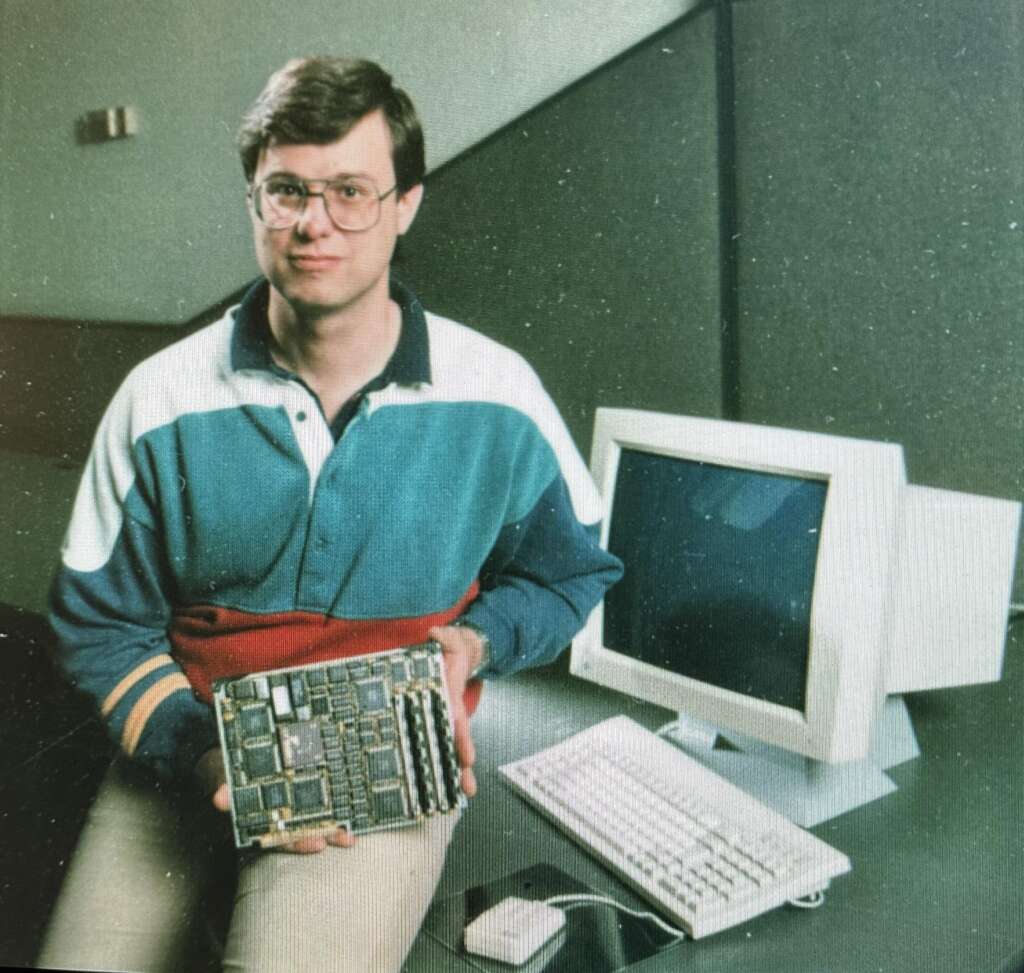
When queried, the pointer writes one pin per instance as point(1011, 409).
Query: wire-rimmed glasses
point(352, 202)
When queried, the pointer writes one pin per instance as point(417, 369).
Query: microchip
point(243, 690)
point(247, 800)
point(253, 721)
point(260, 761)
point(421, 667)
point(301, 744)
point(382, 765)
point(275, 794)
point(308, 795)
point(281, 699)
point(316, 677)
point(372, 696)
point(320, 704)
point(389, 805)
point(298, 687)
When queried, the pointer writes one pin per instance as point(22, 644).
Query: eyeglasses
point(352, 203)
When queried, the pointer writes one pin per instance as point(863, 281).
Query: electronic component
point(364, 743)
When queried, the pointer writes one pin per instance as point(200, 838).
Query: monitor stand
point(805, 790)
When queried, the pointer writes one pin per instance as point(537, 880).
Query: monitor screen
point(720, 565)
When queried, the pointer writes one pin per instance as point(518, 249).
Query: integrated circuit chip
point(363, 743)
point(389, 804)
point(308, 795)
point(275, 794)
point(247, 800)
point(301, 744)
point(260, 761)
point(371, 696)
point(253, 722)
point(382, 764)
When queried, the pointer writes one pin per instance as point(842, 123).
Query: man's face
point(313, 265)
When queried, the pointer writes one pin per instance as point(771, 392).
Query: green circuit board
point(363, 743)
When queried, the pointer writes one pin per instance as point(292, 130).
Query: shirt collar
point(409, 364)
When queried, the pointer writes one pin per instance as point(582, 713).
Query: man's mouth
point(313, 261)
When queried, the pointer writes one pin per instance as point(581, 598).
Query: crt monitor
point(756, 593)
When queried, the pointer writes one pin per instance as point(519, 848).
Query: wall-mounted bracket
point(107, 124)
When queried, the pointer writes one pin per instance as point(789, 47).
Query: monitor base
point(805, 790)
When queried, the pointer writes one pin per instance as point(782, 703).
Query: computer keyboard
point(696, 847)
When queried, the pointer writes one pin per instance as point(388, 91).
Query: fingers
point(464, 747)
point(310, 845)
point(314, 844)
point(209, 775)
point(342, 838)
point(221, 798)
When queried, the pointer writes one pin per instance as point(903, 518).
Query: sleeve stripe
point(118, 692)
point(147, 703)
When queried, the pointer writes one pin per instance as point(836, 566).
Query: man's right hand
point(210, 773)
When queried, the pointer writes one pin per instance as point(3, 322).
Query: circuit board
point(363, 743)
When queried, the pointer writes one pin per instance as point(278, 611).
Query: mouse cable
point(575, 901)
point(813, 900)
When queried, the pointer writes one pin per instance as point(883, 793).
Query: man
point(328, 470)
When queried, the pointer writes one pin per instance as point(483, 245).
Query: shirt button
point(323, 541)
point(300, 416)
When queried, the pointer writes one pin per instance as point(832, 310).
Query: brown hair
point(317, 100)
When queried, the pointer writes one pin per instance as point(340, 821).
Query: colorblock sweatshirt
point(221, 527)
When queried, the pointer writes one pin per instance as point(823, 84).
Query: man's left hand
point(462, 651)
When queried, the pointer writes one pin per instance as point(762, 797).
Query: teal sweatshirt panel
point(411, 501)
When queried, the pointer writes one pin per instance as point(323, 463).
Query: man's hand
point(462, 651)
point(210, 773)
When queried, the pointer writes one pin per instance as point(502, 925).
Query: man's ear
point(408, 207)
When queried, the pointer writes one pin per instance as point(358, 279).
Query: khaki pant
point(152, 871)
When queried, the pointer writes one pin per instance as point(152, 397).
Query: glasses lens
point(278, 202)
point(354, 204)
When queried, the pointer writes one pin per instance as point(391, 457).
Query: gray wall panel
point(585, 235)
point(880, 182)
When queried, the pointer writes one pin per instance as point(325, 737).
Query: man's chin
point(316, 301)
point(311, 298)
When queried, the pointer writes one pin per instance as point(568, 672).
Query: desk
point(938, 866)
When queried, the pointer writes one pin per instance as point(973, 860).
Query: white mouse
point(513, 930)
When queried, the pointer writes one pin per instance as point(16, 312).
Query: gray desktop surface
point(938, 866)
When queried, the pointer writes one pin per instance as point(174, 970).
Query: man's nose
point(314, 220)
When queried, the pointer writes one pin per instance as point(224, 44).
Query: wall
point(153, 228)
point(880, 202)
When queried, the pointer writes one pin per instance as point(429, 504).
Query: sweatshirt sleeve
point(543, 577)
point(110, 606)
point(547, 569)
